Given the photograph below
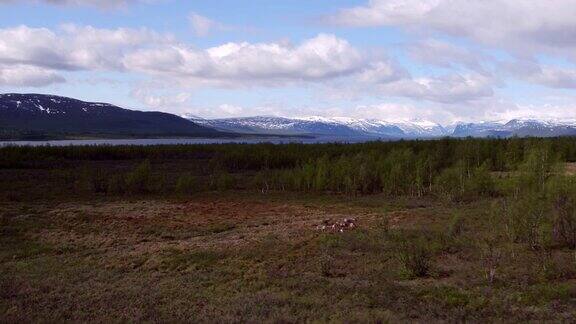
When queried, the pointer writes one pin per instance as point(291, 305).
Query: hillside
point(36, 116)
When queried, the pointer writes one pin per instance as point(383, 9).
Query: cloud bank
point(321, 59)
point(518, 25)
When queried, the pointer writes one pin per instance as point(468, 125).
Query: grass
point(244, 256)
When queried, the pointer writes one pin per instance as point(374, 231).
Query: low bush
point(223, 181)
point(456, 226)
point(527, 220)
point(562, 194)
point(140, 179)
point(416, 257)
point(186, 184)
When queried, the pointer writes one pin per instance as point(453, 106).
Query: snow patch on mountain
point(47, 104)
point(318, 125)
point(393, 129)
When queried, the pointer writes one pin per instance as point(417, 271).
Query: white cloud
point(27, 76)
point(487, 109)
point(398, 112)
point(232, 110)
point(546, 75)
point(453, 88)
point(73, 47)
point(201, 25)
point(385, 12)
point(324, 59)
point(170, 101)
point(564, 111)
point(382, 72)
point(320, 58)
point(447, 55)
point(556, 77)
point(522, 26)
point(526, 29)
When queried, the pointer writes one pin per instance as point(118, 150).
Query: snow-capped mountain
point(40, 115)
point(337, 126)
point(43, 105)
point(480, 129)
point(542, 128)
point(518, 127)
point(343, 127)
point(418, 128)
point(278, 126)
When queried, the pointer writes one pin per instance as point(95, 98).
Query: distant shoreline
point(189, 141)
point(227, 136)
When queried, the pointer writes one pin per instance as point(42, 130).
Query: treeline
point(456, 169)
point(503, 154)
point(400, 172)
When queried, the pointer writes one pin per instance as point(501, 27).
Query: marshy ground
point(246, 257)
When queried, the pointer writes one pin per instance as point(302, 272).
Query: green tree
point(186, 184)
point(140, 179)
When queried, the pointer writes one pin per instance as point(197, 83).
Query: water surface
point(182, 141)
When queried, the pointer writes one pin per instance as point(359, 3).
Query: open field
point(245, 257)
point(237, 251)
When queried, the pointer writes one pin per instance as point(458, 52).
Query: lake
point(184, 141)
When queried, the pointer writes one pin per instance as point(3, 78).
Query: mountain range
point(325, 126)
point(372, 128)
point(36, 116)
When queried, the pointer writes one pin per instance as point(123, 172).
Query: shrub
point(261, 182)
point(326, 264)
point(140, 179)
point(460, 182)
point(456, 226)
point(222, 181)
point(416, 257)
point(99, 181)
point(562, 193)
point(540, 162)
point(491, 258)
point(116, 185)
point(481, 182)
point(451, 182)
point(84, 181)
point(186, 184)
point(564, 222)
point(547, 266)
point(526, 220)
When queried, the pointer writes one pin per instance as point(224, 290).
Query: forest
point(478, 225)
point(449, 168)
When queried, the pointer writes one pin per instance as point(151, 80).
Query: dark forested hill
point(44, 116)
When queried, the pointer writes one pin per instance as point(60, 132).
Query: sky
point(438, 60)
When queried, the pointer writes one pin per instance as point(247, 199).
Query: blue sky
point(438, 60)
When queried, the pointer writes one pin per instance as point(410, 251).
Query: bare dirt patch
point(151, 226)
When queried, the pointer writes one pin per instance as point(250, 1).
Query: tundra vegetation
point(445, 230)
